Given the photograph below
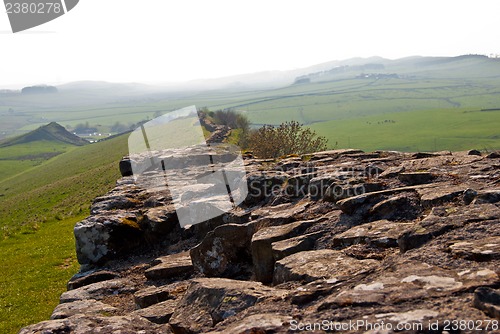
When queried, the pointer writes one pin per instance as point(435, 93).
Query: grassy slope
point(57, 188)
point(37, 214)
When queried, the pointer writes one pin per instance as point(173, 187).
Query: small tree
point(288, 138)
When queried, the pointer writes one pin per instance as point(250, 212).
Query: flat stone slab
point(442, 220)
point(294, 245)
point(440, 195)
point(332, 265)
point(83, 279)
point(171, 266)
point(381, 233)
point(477, 250)
point(88, 307)
point(409, 280)
point(154, 295)
point(351, 204)
point(98, 290)
point(209, 301)
point(81, 324)
point(158, 313)
point(258, 323)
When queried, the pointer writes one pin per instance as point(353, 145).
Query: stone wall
point(342, 240)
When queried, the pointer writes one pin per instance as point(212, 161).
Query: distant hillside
point(465, 66)
point(51, 132)
point(42, 89)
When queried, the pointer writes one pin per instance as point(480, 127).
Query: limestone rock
point(324, 227)
point(364, 202)
point(297, 186)
point(381, 233)
point(477, 250)
point(224, 252)
point(209, 301)
point(262, 186)
point(159, 313)
point(294, 245)
point(98, 290)
point(89, 307)
point(405, 206)
point(120, 199)
point(334, 153)
point(161, 220)
point(99, 238)
point(81, 324)
point(258, 323)
point(171, 266)
point(326, 264)
point(406, 281)
point(278, 214)
point(86, 278)
point(442, 220)
point(262, 254)
point(318, 185)
point(431, 197)
point(392, 172)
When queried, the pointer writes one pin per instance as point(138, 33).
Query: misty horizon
point(243, 75)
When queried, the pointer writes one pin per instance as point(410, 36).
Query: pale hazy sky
point(178, 40)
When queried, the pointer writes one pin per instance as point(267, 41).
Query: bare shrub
point(288, 138)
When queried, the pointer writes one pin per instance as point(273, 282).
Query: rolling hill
point(21, 153)
point(51, 132)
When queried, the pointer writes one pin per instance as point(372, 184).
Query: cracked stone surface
point(344, 235)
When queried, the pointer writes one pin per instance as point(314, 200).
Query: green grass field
point(35, 270)
point(38, 210)
point(428, 130)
